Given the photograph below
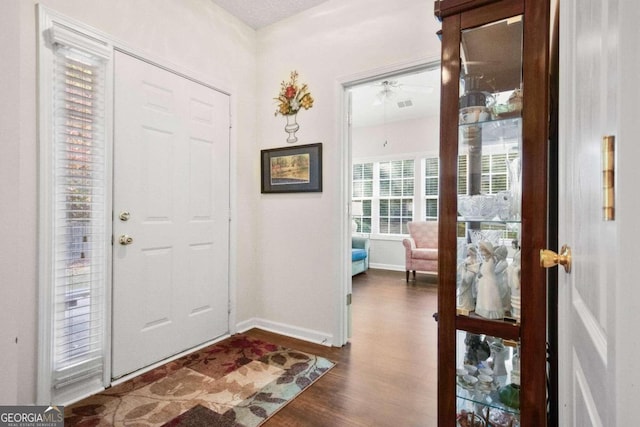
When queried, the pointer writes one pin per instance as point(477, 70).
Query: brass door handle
point(551, 259)
point(126, 240)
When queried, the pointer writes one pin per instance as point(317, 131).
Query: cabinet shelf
point(473, 323)
point(464, 219)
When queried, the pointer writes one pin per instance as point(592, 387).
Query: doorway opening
point(391, 177)
point(392, 151)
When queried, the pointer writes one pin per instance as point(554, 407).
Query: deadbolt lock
point(126, 240)
point(124, 216)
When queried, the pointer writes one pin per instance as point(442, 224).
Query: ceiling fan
point(387, 91)
point(391, 89)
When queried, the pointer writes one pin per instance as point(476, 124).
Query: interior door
point(171, 214)
point(588, 58)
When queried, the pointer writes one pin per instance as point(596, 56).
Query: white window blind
point(396, 196)
point(431, 187)
point(79, 215)
point(462, 174)
point(363, 192)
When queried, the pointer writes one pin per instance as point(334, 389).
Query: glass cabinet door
point(489, 173)
point(493, 214)
point(488, 217)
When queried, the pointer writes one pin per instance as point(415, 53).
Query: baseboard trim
point(304, 334)
point(391, 267)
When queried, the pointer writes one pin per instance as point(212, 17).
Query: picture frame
point(295, 169)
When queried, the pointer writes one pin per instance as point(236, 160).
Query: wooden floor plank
point(386, 375)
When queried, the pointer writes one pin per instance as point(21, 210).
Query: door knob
point(126, 240)
point(551, 259)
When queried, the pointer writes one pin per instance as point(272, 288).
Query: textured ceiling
point(260, 13)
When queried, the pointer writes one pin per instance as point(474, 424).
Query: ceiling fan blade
point(417, 88)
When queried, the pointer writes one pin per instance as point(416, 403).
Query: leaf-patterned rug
point(240, 381)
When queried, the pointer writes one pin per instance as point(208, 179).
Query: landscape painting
point(292, 169)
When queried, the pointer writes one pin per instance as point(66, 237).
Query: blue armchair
point(359, 254)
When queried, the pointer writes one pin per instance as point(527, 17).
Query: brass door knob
point(551, 259)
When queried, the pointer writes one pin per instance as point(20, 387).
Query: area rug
point(240, 381)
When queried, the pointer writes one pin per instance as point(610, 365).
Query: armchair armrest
point(409, 243)
point(360, 243)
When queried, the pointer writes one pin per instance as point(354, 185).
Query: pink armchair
point(421, 248)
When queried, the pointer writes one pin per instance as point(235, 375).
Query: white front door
point(588, 111)
point(171, 198)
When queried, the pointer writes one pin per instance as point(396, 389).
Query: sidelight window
point(75, 244)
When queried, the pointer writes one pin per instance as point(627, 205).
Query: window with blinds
point(79, 216)
point(386, 190)
point(391, 192)
point(362, 191)
point(431, 187)
point(397, 183)
point(495, 172)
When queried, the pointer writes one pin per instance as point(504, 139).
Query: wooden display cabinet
point(492, 309)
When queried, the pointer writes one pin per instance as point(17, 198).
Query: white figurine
point(488, 303)
point(501, 253)
point(468, 269)
point(515, 186)
point(514, 285)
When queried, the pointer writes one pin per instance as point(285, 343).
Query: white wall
point(300, 238)
point(406, 136)
point(194, 34)
point(11, 211)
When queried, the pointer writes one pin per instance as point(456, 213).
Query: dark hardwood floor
point(386, 375)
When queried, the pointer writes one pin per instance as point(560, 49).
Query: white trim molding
point(304, 334)
point(390, 267)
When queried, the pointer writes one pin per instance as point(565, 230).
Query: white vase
point(291, 128)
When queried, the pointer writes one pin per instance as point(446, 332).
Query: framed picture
point(292, 169)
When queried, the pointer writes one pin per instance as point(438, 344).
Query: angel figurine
point(488, 302)
point(467, 270)
point(502, 265)
point(514, 285)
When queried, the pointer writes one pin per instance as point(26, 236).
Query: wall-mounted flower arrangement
point(291, 99)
